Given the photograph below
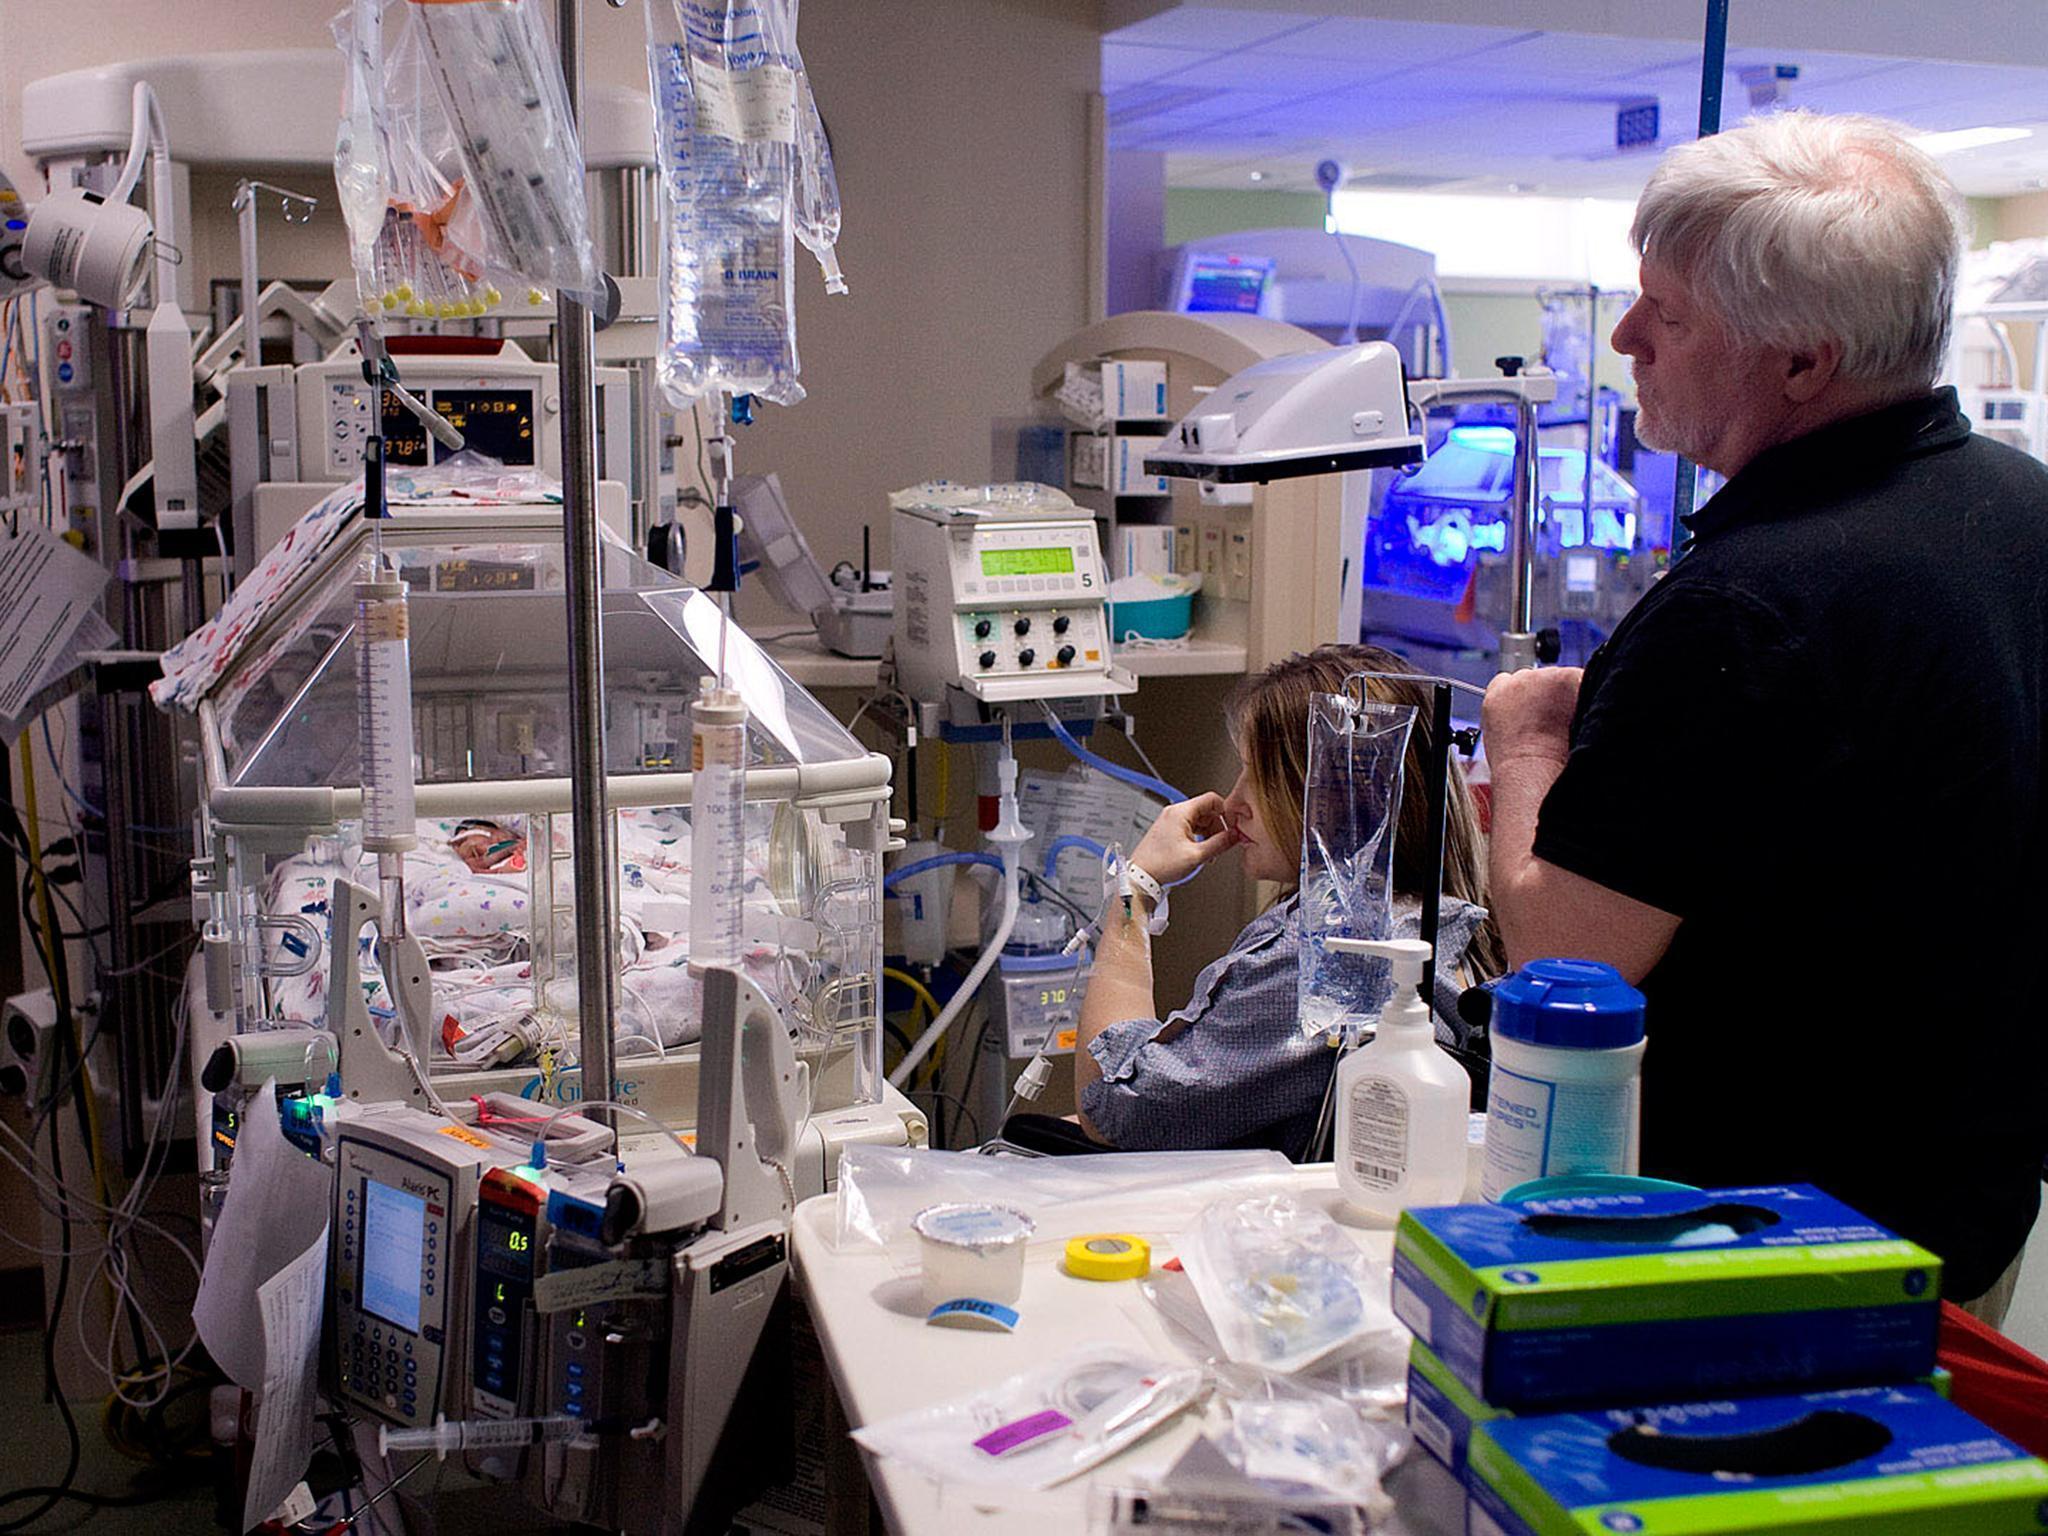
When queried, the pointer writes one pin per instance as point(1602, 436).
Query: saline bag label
point(1378, 1146)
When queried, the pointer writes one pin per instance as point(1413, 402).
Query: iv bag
point(361, 167)
point(817, 188)
point(745, 170)
point(500, 83)
point(1351, 801)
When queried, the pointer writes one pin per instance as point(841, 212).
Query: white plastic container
point(1565, 1096)
point(972, 1252)
point(1403, 1105)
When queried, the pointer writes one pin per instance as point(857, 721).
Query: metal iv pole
point(596, 928)
point(1713, 62)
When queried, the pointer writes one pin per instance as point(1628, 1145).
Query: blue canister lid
point(1570, 1005)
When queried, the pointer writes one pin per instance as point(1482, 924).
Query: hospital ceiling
point(1253, 97)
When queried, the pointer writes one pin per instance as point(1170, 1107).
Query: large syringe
point(718, 767)
point(384, 708)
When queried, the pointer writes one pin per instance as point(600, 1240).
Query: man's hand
point(1187, 835)
point(1528, 714)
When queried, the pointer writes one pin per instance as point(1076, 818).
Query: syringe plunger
point(441, 1436)
point(384, 711)
point(718, 758)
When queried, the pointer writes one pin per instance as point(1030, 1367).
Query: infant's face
point(491, 850)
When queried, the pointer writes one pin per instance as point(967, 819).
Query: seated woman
point(1232, 1068)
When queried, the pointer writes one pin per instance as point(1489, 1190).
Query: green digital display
point(1057, 560)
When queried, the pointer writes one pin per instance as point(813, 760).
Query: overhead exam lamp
point(98, 247)
point(1326, 412)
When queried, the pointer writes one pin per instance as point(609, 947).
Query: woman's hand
point(1186, 836)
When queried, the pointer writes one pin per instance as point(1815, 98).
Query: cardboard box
point(1444, 1413)
point(1127, 467)
point(1134, 391)
point(1873, 1461)
point(1665, 1296)
point(1442, 1410)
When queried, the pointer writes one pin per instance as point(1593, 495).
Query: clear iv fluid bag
point(384, 712)
point(718, 757)
point(816, 209)
point(724, 79)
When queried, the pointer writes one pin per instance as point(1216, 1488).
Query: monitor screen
point(498, 422)
point(405, 440)
point(1058, 560)
point(394, 1228)
point(1227, 284)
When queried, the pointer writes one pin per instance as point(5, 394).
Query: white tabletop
point(886, 1360)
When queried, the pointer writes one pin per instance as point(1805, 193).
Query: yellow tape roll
point(1108, 1256)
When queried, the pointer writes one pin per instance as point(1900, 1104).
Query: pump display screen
point(1055, 561)
point(405, 440)
point(394, 1227)
point(498, 422)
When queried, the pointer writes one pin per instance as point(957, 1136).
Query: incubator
point(1437, 570)
point(486, 885)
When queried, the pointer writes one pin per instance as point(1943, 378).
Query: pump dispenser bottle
point(1403, 1105)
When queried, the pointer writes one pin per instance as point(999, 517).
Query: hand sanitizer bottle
point(1403, 1104)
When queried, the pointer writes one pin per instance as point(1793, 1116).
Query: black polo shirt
point(1818, 742)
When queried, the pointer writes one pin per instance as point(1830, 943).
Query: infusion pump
point(295, 432)
point(1003, 597)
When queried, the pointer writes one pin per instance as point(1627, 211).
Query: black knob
point(1026, 656)
point(1508, 365)
point(1022, 626)
point(1065, 656)
point(1059, 625)
point(982, 628)
point(1549, 646)
point(988, 659)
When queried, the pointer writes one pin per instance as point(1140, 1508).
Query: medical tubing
point(957, 1003)
point(540, 1141)
point(1060, 845)
point(937, 861)
point(1129, 776)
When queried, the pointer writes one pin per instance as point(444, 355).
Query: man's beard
point(1656, 432)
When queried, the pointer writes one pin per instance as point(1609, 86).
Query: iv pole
point(596, 929)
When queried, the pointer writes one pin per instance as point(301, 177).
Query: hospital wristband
point(1144, 885)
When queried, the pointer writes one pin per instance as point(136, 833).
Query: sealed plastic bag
point(499, 79)
point(418, 239)
point(745, 171)
point(881, 1189)
point(1351, 801)
point(1283, 1287)
point(1041, 1428)
point(1371, 1374)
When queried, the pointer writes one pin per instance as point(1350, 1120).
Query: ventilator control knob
point(982, 628)
point(1022, 626)
point(988, 659)
point(1066, 655)
point(1059, 625)
point(1026, 656)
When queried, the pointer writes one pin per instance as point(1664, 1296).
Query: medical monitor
point(1215, 282)
point(394, 1240)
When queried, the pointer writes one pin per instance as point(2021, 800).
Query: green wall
point(1195, 213)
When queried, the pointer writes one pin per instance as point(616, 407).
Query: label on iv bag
point(1377, 1148)
point(1538, 1130)
point(755, 106)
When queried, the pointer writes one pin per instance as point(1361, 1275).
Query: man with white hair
point(1797, 795)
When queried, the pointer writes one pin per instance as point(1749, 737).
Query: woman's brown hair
point(1267, 716)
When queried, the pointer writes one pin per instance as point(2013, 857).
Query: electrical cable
point(923, 992)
